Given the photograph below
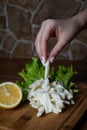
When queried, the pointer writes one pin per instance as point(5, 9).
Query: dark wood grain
point(24, 116)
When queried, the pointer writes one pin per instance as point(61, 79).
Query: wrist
point(81, 20)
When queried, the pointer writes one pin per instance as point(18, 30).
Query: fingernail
point(43, 61)
point(51, 59)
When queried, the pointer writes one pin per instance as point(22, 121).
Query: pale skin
point(63, 29)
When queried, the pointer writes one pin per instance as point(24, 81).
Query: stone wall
point(20, 21)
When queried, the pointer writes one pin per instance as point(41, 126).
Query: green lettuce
point(64, 75)
point(34, 70)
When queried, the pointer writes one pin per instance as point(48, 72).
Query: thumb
point(56, 49)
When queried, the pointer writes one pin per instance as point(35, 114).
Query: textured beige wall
point(20, 21)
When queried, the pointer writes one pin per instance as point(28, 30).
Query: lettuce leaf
point(32, 72)
point(64, 75)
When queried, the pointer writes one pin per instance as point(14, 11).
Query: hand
point(64, 30)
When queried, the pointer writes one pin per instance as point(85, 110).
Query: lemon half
point(10, 95)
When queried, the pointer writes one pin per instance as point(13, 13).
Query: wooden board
point(24, 116)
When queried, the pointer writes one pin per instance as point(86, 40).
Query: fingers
point(37, 44)
point(42, 39)
point(56, 49)
point(41, 44)
point(47, 30)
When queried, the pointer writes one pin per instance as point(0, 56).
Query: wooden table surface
point(15, 119)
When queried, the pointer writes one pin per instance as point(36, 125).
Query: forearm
point(81, 20)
